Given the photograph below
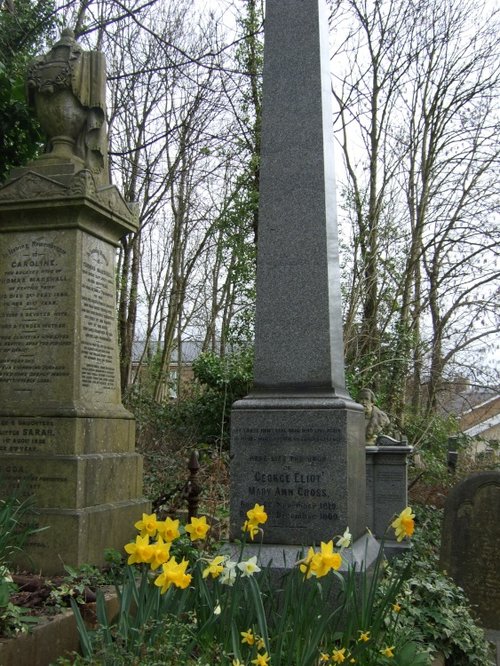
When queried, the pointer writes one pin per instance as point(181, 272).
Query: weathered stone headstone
point(470, 546)
point(65, 437)
point(297, 441)
point(386, 487)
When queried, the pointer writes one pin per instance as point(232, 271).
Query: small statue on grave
point(67, 88)
point(376, 420)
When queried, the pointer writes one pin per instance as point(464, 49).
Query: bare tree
point(375, 51)
point(419, 132)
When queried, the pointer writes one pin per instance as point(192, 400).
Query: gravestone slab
point(280, 559)
point(470, 545)
point(386, 485)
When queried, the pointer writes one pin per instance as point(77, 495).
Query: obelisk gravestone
point(65, 437)
point(297, 441)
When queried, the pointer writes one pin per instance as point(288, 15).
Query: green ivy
point(434, 610)
point(23, 34)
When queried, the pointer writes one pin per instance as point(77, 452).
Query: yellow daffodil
point(364, 636)
point(197, 528)
point(404, 524)
point(159, 553)
point(257, 515)
point(173, 573)
point(140, 551)
point(327, 561)
point(249, 567)
point(251, 528)
point(247, 637)
point(237, 662)
point(324, 656)
point(306, 565)
point(169, 529)
point(345, 540)
point(261, 644)
point(396, 607)
point(388, 651)
point(261, 659)
point(339, 656)
point(148, 525)
point(217, 610)
point(215, 567)
point(320, 563)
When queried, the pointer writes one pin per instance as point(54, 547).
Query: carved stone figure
point(67, 88)
point(376, 420)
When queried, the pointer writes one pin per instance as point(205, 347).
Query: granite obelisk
point(297, 441)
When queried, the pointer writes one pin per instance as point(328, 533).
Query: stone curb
point(51, 639)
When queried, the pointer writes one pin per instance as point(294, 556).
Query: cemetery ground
point(414, 603)
point(181, 598)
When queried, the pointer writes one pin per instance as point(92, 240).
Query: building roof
point(481, 417)
point(190, 350)
point(459, 402)
point(483, 427)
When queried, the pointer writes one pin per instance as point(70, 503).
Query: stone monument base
point(280, 559)
point(303, 458)
point(77, 537)
point(86, 479)
point(386, 488)
point(65, 438)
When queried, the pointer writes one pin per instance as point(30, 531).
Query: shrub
point(17, 524)
point(223, 380)
point(202, 415)
point(433, 608)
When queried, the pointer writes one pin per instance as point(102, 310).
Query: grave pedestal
point(65, 437)
point(301, 457)
point(386, 490)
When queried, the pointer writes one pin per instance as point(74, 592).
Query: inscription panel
point(99, 341)
point(74, 481)
point(35, 327)
point(390, 482)
point(370, 455)
point(24, 436)
point(387, 483)
point(389, 494)
point(295, 465)
point(54, 482)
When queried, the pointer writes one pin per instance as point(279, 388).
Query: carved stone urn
point(50, 87)
point(62, 118)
